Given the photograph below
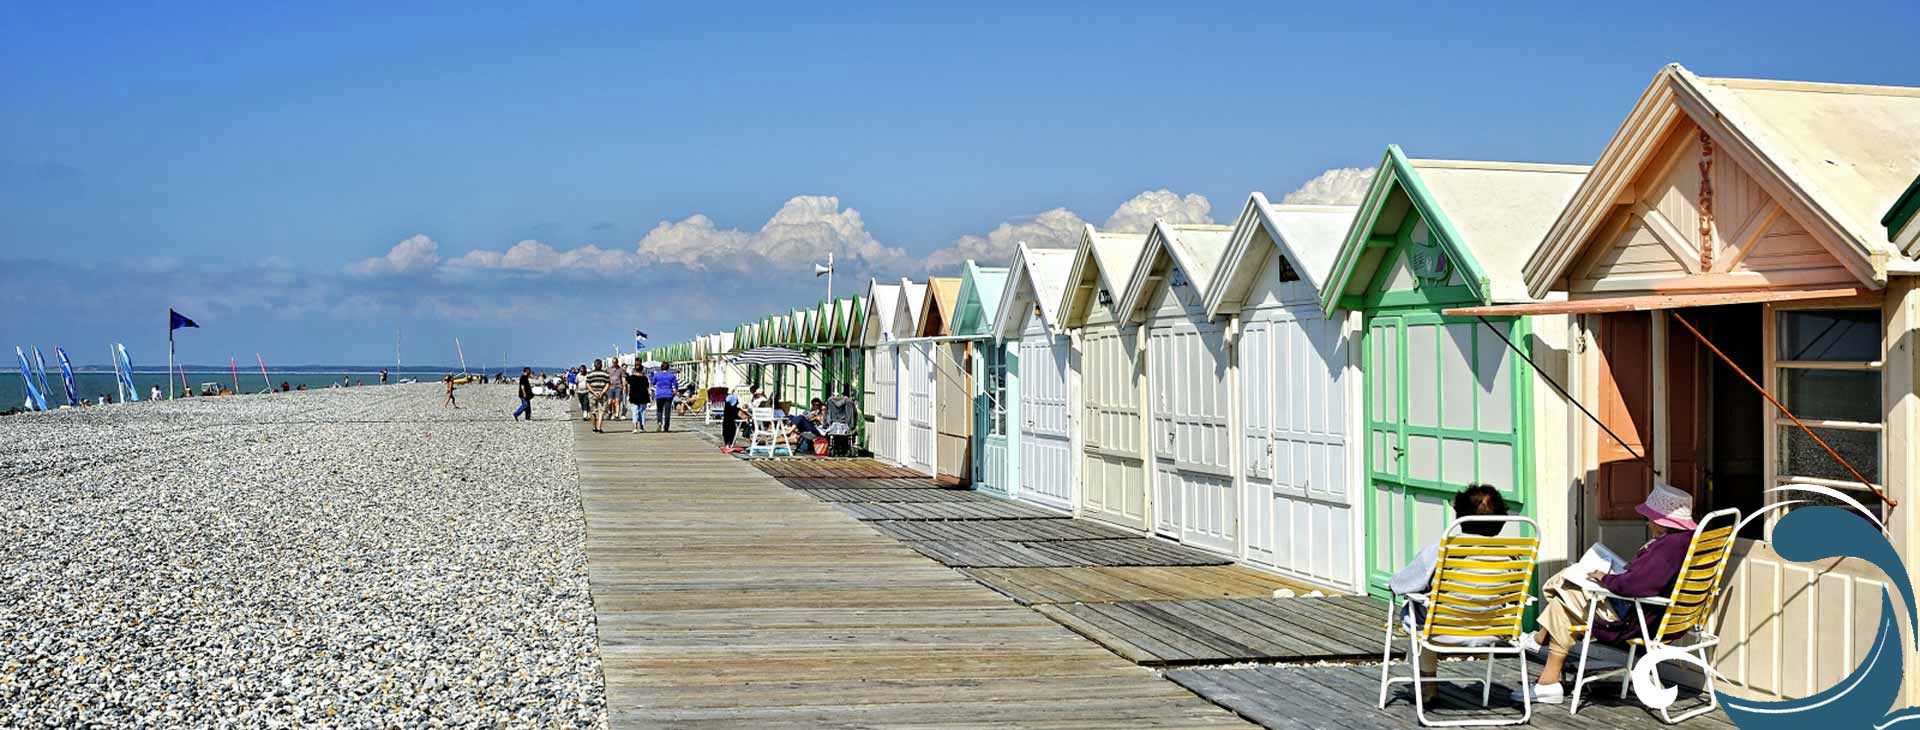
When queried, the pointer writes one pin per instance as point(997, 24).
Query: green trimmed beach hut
point(1447, 402)
point(974, 311)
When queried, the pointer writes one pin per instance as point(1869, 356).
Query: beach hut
point(1112, 467)
point(1188, 406)
point(916, 371)
point(1040, 377)
point(1745, 226)
point(849, 337)
point(1448, 402)
point(974, 309)
point(1297, 377)
point(880, 404)
point(952, 381)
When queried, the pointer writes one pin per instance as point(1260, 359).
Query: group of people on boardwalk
point(608, 389)
point(829, 423)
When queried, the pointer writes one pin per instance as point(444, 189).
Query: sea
point(92, 385)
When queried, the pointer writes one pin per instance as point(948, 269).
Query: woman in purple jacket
point(1651, 573)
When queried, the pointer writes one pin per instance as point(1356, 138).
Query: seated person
point(1651, 573)
point(1477, 500)
point(804, 432)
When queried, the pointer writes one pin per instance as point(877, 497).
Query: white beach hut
point(1112, 468)
point(916, 379)
point(1189, 404)
point(1040, 378)
point(880, 399)
point(1296, 373)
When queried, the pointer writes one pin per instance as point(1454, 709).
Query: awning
point(1651, 302)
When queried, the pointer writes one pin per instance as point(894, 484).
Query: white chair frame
point(1416, 644)
point(1704, 640)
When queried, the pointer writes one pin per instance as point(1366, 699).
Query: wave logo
point(1815, 532)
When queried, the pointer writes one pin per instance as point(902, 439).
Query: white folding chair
point(1473, 607)
point(1686, 618)
point(766, 433)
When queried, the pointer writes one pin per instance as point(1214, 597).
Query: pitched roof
point(912, 297)
point(1903, 226)
point(1112, 255)
point(1195, 248)
point(979, 298)
point(1038, 276)
point(1488, 215)
point(1833, 155)
point(941, 293)
point(881, 301)
point(1308, 235)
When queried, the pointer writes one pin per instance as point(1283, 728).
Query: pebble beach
point(355, 557)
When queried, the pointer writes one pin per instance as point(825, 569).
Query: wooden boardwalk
point(725, 599)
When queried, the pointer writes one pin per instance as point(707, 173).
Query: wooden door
point(1112, 469)
point(919, 455)
point(1300, 502)
point(885, 442)
point(1625, 343)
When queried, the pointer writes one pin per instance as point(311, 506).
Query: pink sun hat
point(1667, 506)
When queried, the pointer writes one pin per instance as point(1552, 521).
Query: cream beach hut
point(952, 407)
point(916, 380)
point(973, 313)
point(1748, 221)
point(1112, 466)
point(880, 399)
point(1296, 373)
point(1040, 377)
point(1188, 407)
point(1447, 402)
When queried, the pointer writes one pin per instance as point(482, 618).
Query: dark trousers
point(585, 409)
point(663, 409)
point(729, 425)
point(840, 446)
point(526, 406)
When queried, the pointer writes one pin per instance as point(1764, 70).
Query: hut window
point(1287, 274)
point(1828, 371)
point(996, 387)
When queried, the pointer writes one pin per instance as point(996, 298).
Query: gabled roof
point(881, 302)
point(906, 321)
point(979, 298)
point(852, 317)
point(1903, 226)
point(1037, 276)
point(936, 313)
point(1487, 216)
point(1309, 236)
point(1195, 249)
point(1832, 155)
point(1102, 261)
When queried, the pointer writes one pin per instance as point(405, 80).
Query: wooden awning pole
point(1783, 409)
point(1564, 394)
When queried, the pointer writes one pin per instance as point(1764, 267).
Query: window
point(1287, 273)
point(996, 387)
point(1827, 372)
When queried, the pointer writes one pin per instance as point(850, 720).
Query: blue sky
point(243, 164)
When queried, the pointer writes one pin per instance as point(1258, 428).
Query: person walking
point(580, 389)
point(665, 384)
point(598, 383)
point(729, 422)
point(636, 384)
point(526, 394)
point(383, 376)
point(616, 390)
point(449, 402)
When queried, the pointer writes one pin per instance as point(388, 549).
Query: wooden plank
point(1652, 302)
point(994, 510)
point(1132, 551)
point(725, 599)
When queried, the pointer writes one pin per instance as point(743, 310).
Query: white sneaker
point(1529, 644)
point(1544, 694)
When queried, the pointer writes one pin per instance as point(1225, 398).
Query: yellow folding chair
point(1473, 607)
point(1688, 610)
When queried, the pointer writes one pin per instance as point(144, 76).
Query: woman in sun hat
point(1652, 572)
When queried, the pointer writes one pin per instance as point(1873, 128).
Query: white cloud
point(538, 257)
point(1057, 228)
point(1338, 186)
point(1138, 214)
point(802, 231)
point(416, 254)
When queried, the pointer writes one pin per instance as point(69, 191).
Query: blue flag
point(176, 321)
point(66, 373)
point(639, 340)
point(34, 399)
point(126, 372)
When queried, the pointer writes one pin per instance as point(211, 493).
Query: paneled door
point(1191, 442)
point(885, 440)
point(920, 415)
point(1112, 474)
point(1046, 456)
point(1300, 501)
